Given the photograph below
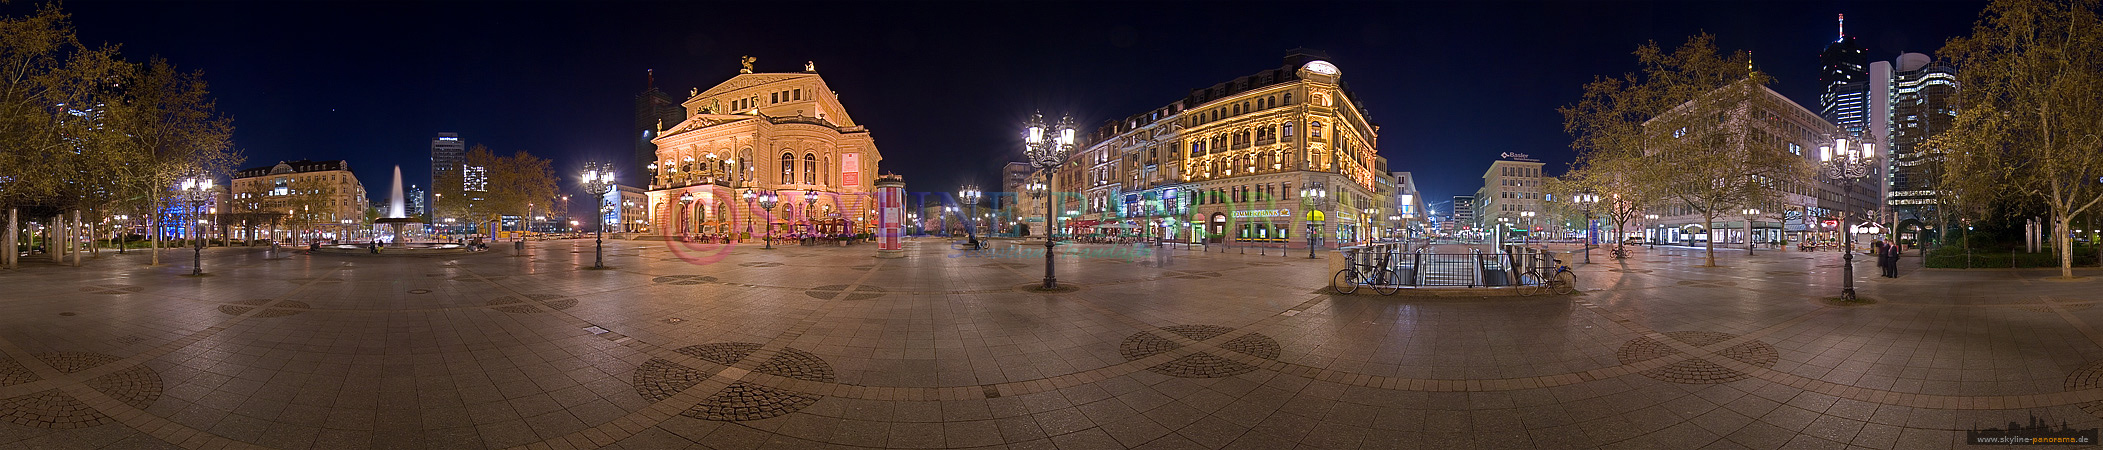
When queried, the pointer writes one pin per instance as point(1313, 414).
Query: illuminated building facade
point(1923, 103)
point(1844, 74)
point(780, 132)
point(313, 193)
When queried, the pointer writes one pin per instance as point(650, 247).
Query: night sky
point(944, 87)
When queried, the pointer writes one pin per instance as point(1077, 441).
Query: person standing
point(1876, 248)
point(1891, 260)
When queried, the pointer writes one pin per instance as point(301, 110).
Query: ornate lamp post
point(1586, 200)
point(598, 180)
point(1652, 238)
point(767, 200)
point(971, 194)
point(1847, 165)
point(1749, 213)
point(810, 215)
point(1046, 148)
point(196, 190)
point(750, 197)
point(686, 201)
point(1313, 197)
point(1526, 222)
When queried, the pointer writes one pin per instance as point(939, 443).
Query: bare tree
point(2030, 125)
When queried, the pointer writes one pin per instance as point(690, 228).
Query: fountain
point(397, 218)
point(397, 215)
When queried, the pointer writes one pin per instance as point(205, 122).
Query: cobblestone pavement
point(735, 347)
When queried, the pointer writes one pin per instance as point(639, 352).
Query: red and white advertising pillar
point(890, 217)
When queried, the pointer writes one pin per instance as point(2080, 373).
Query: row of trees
point(1677, 132)
point(515, 185)
point(89, 132)
point(2028, 135)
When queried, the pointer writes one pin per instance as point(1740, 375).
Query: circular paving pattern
point(526, 305)
point(1199, 364)
point(683, 280)
point(660, 379)
point(1697, 370)
point(111, 289)
point(2087, 377)
point(842, 292)
point(136, 386)
point(12, 373)
point(277, 310)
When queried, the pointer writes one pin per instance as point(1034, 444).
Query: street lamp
point(1046, 148)
point(123, 229)
point(686, 202)
point(1848, 165)
point(1313, 196)
point(1652, 239)
point(750, 197)
point(971, 194)
point(946, 212)
point(197, 189)
point(1749, 213)
point(598, 180)
point(1526, 221)
point(1587, 199)
point(810, 217)
point(767, 200)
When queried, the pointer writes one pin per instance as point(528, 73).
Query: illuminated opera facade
point(758, 133)
point(1229, 163)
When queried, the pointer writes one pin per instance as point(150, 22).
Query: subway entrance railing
point(1417, 266)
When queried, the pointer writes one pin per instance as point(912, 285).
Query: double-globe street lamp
point(1313, 197)
point(1526, 222)
point(1046, 148)
point(197, 190)
point(1585, 200)
point(1848, 165)
point(686, 207)
point(598, 180)
point(970, 194)
point(767, 200)
point(1749, 214)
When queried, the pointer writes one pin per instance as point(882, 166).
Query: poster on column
point(890, 216)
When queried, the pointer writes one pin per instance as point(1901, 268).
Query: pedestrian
point(1891, 260)
point(1876, 248)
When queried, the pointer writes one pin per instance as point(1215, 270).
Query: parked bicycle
point(1557, 278)
point(1378, 275)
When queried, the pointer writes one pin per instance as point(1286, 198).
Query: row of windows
point(1245, 107)
point(1511, 171)
point(784, 95)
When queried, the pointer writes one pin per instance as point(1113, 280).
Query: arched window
point(1288, 98)
point(1314, 129)
point(1288, 127)
point(788, 168)
point(744, 167)
point(810, 168)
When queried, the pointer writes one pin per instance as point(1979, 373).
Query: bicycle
point(1620, 253)
point(1378, 275)
point(1560, 280)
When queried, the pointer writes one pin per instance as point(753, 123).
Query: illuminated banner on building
point(850, 169)
point(1256, 213)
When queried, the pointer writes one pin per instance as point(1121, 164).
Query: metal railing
point(1415, 266)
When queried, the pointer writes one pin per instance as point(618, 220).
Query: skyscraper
point(654, 112)
point(1923, 103)
point(448, 152)
point(1844, 74)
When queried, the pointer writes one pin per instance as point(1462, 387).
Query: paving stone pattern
point(815, 347)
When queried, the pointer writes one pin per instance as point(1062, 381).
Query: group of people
point(1887, 257)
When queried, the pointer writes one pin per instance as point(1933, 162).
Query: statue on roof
point(810, 66)
point(747, 62)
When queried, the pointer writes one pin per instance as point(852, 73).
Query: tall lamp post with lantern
point(1848, 165)
point(1585, 200)
point(1046, 148)
point(767, 200)
point(196, 189)
point(1313, 197)
point(598, 180)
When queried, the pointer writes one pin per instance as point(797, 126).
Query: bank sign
point(1260, 213)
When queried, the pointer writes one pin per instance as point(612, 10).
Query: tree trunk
point(56, 235)
point(1709, 245)
point(2066, 249)
point(73, 241)
point(14, 246)
point(153, 226)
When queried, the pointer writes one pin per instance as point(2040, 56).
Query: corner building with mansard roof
point(1227, 163)
point(781, 132)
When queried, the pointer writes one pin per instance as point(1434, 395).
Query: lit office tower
point(1923, 103)
point(447, 153)
point(1845, 78)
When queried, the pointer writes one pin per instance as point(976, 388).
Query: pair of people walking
point(1887, 258)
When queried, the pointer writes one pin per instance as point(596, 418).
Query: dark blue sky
point(942, 86)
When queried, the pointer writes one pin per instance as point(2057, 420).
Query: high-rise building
point(416, 204)
point(1844, 76)
point(654, 112)
point(1509, 189)
point(448, 153)
point(1464, 211)
point(1923, 103)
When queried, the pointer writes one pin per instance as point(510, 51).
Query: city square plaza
point(798, 347)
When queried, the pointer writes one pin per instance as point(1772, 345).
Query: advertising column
point(890, 217)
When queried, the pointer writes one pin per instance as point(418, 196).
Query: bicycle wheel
point(1529, 283)
point(1385, 283)
point(1565, 282)
point(1345, 282)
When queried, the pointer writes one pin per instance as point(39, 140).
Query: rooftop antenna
point(651, 75)
point(1843, 28)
